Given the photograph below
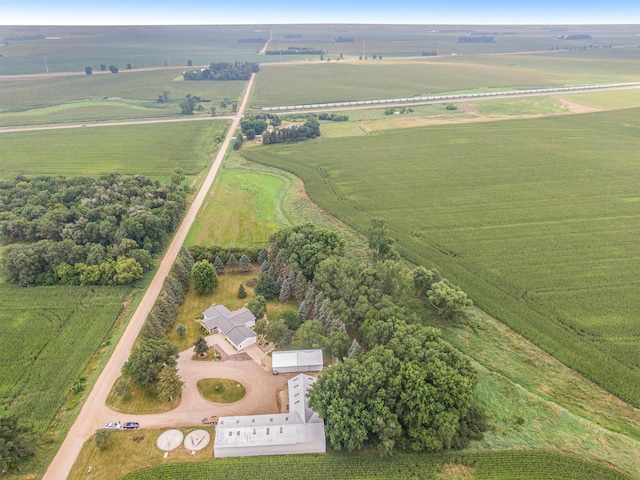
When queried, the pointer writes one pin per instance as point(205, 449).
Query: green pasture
point(512, 465)
point(535, 219)
point(155, 150)
point(353, 80)
point(242, 210)
point(49, 335)
point(106, 96)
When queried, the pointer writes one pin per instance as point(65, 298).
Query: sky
point(214, 12)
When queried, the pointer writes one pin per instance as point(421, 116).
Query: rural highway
point(94, 412)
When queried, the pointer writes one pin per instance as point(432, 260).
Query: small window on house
point(237, 421)
point(280, 429)
point(271, 419)
point(286, 419)
point(297, 394)
point(297, 401)
point(267, 431)
point(238, 433)
point(231, 434)
point(253, 420)
point(254, 431)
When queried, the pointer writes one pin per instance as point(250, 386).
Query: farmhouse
point(233, 325)
point(297, 361)
point(299, 431)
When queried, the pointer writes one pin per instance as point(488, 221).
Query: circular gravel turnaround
point(197, 440)
point(170, 440)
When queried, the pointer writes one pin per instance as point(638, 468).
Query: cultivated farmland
point(49, 335)
point(152, 150)
point(512, 465)
point(536, 219)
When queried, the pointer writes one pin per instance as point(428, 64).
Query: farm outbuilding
point(233, 325)
point(299, 431)
point(293, 361)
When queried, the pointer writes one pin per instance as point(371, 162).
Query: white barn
point(297, 361)
point(233, 325)
point(299, 431)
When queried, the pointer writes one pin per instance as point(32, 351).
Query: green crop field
point(512, 465)
point(536, 219)
point(48, 336)
point(347, 81)
point(128, 94)
point(153, 150)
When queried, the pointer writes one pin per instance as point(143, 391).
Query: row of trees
point(398, 385)
point(224, 71)
point(85, 230)
point(152, 362)
point(294, 133)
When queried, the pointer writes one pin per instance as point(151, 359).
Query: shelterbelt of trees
point(398, 385)
point(224, 71)
point(84, 230)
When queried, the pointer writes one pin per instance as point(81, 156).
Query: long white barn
point(299, 431)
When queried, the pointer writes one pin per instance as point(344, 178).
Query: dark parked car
point(131, 425)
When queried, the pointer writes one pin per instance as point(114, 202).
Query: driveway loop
point(170, 440)
point(197, 440)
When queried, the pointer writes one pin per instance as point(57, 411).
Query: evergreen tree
point(299, 286)
point(285, 291)
point(169, 384)
point(242, 293)
point(355, 350)
point(219, 265)
point(264, 266)
point(262, 256)
point(232, 263)
point(303, 310)
point(245, 264)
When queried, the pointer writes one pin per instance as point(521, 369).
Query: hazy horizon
point(252, 12)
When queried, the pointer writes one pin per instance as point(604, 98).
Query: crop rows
point(512, 465)
point(45, 346)
point(537, 220)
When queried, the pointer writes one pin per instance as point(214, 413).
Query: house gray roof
point(233, 325)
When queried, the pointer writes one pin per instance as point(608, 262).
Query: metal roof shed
point(297, 361)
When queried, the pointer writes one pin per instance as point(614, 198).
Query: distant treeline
point(224, 71)
point(23, 37)
point(432, 53)
point(293, 35)
point(578, 37)
point(482, 39)
point(333, 117)
point(344, 40)
point(295, 51)
point(252, 40)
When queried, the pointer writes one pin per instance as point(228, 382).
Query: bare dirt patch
point(573, 107)
point(456, 471)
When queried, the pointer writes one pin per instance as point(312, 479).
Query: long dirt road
point(94, 412)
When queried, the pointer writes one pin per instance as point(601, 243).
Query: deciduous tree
point(205, 278)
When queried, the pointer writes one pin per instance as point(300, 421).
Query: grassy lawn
point(152, 150)
point(220, 390)
point(537, 224)
point(126, 454)
point(139, 401)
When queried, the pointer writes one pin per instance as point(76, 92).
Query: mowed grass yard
point(154, 150)
point(535, 219)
